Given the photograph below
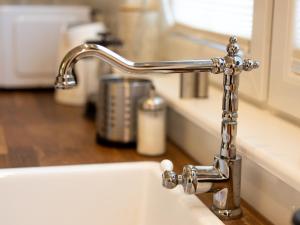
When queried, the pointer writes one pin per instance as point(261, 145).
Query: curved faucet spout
point(66, 78)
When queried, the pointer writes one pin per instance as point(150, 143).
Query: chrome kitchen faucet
point(223, 178)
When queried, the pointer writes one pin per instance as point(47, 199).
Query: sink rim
point(196, 208)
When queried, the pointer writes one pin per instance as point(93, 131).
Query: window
point(209, 23)
point(285, 80)
point(296, 38)
point(216, 16)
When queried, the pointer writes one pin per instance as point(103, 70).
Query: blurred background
point(41, 126)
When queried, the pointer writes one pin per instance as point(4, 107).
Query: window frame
point(254, 85)
point(284, 83)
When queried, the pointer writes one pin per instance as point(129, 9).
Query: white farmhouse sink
point(108, 194)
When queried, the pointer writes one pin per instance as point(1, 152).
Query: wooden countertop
point(35, 131)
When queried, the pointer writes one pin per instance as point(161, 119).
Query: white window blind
point(219, 16)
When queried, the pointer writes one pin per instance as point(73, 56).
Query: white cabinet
point(29, 43)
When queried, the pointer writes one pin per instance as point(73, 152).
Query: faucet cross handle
point(194, 179)
point(169, 177)
point(233, 63)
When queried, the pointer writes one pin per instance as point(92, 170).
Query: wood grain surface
point(3, 145)
point(35, 131)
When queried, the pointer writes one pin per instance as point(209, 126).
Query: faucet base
point(227, 214)
point(226, 201)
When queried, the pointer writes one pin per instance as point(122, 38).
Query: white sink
point(108, 194)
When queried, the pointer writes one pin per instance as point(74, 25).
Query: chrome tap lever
point(191, 182)
point(169, 177)
point(195, 179)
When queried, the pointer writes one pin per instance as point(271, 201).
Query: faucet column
point(233, 67)
point(226, 200)
point(229, 116)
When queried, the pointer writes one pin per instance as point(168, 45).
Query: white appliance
point(29, 42)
